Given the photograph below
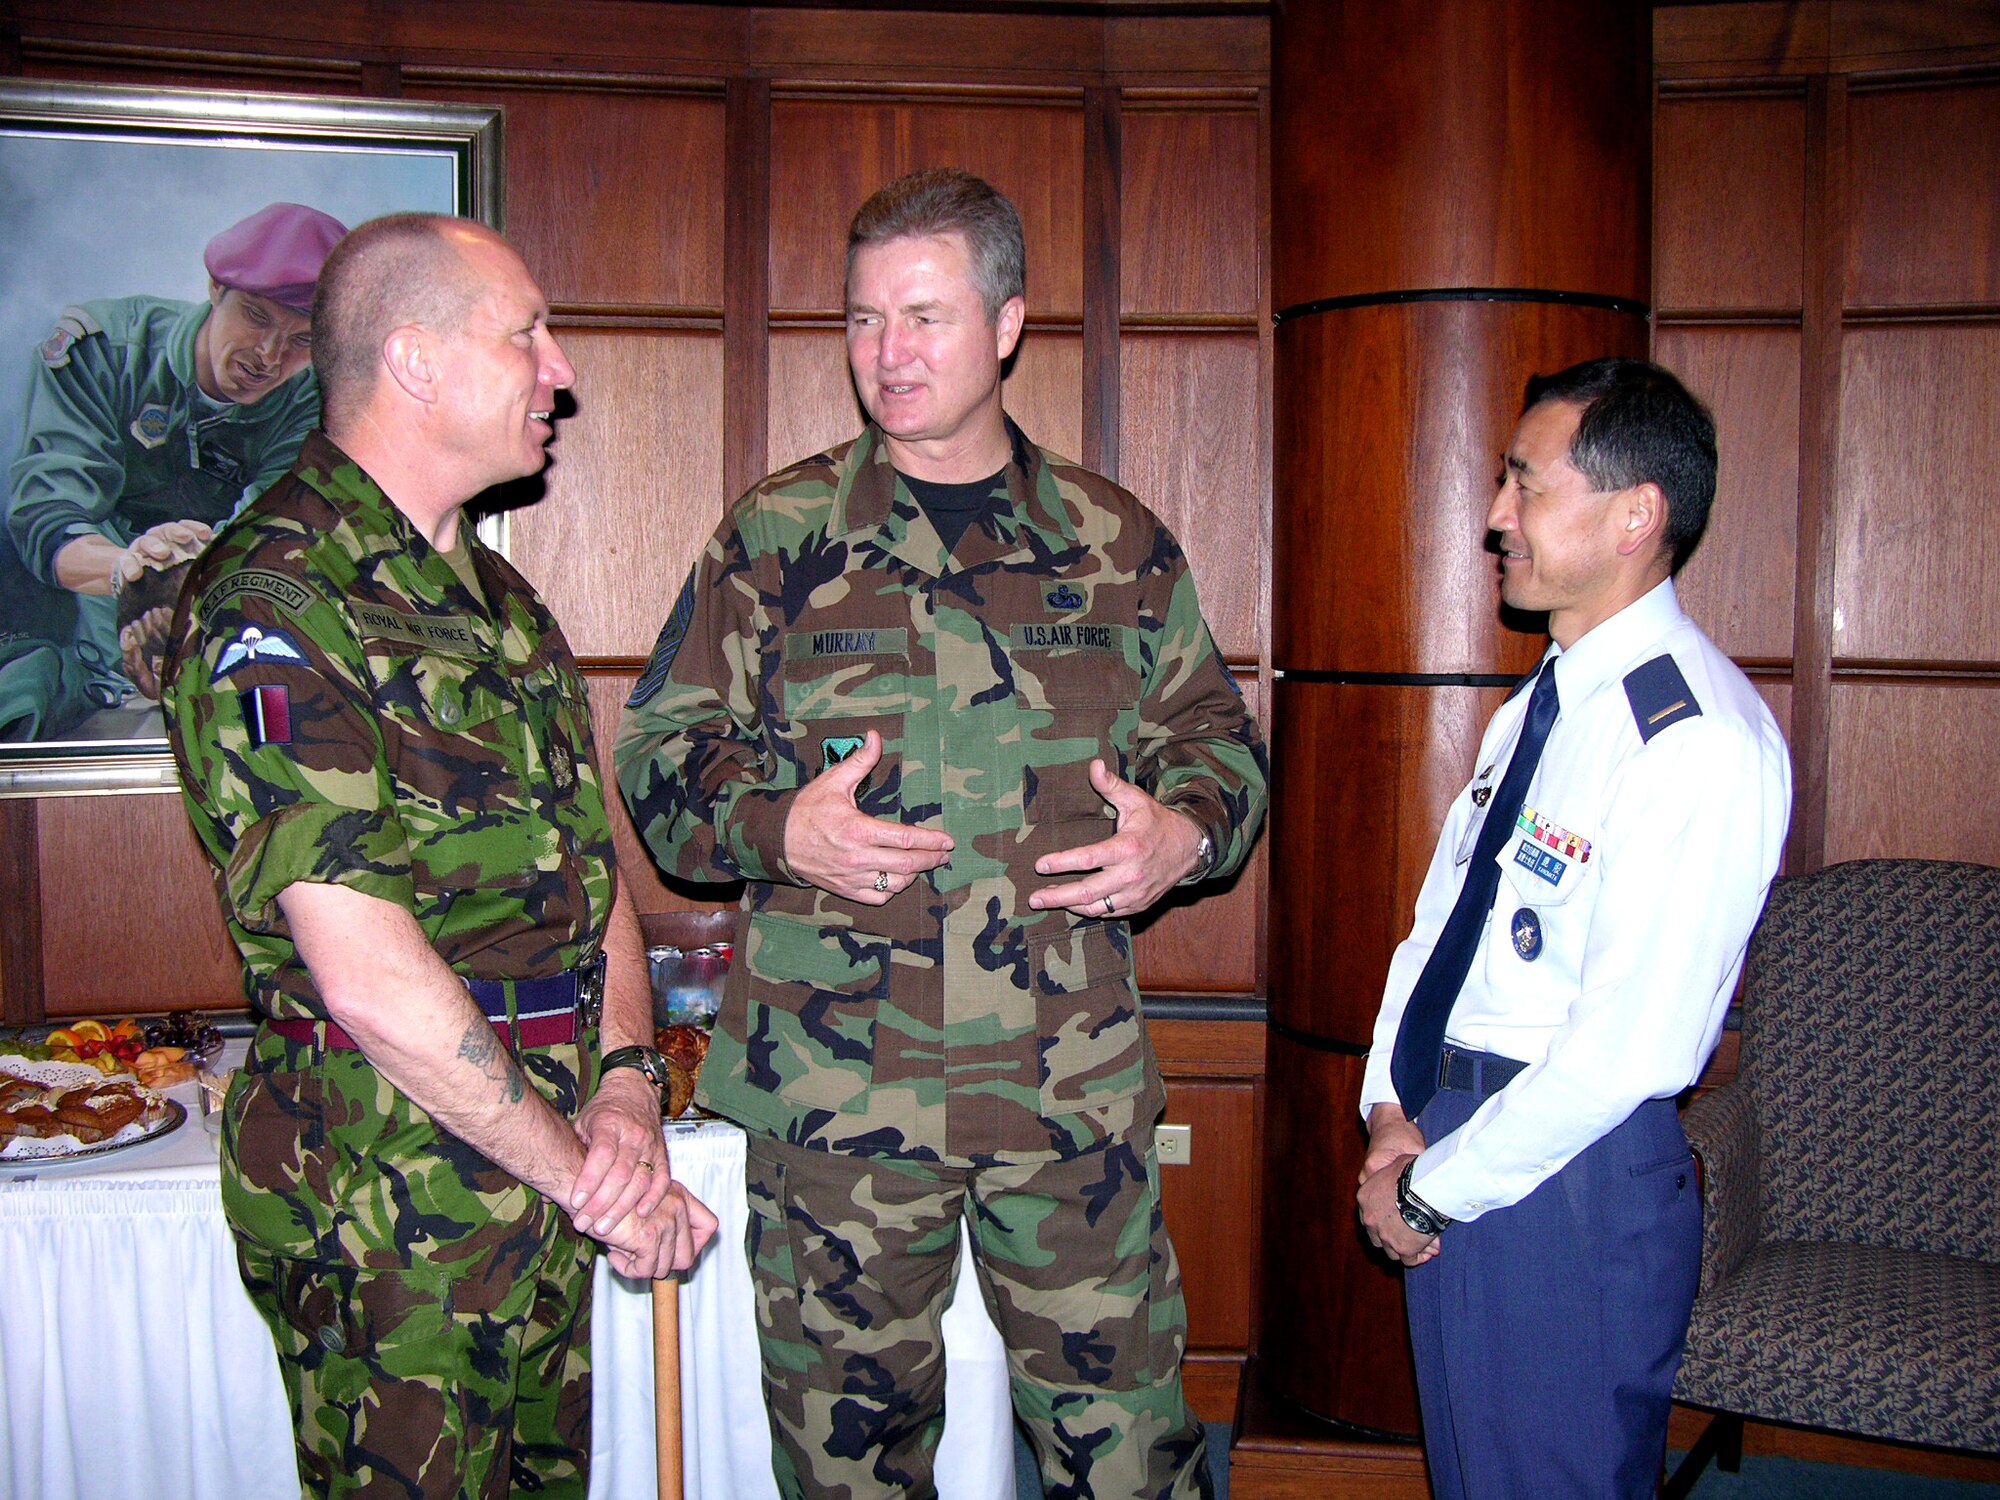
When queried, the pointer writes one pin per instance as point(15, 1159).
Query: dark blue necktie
point(1420, 1039)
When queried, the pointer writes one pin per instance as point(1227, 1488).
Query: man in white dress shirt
point(1576, 943)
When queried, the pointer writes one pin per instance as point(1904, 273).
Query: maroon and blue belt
point(546, 1011)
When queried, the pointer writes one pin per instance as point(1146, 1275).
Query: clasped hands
point(649, 1225)
point(1393, 1141)
point(831, 843)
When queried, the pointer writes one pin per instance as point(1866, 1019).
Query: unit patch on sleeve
point(286, 593)
point(666, 648)
point(255, 645)
point(267, 715)
point(1659, 696)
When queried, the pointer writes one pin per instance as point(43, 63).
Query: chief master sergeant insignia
point(836, 748)
point(150, 426)
point(1527, 934)
point(1064, 597)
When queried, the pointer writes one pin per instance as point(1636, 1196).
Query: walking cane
point(667, 1383)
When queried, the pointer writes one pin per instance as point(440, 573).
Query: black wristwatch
point(1416, 1213)
point(646, 1059)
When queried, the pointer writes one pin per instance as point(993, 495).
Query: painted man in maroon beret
point(149, 421)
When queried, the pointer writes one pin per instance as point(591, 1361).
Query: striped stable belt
point(546, 1011)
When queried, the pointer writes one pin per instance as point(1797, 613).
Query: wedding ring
point(882, 881)
point(1107, 906)
point(646, 1164)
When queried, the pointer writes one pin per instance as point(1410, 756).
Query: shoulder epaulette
point(1659, 696)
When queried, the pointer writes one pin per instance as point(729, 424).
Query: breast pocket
point(1070, 701)
point(1543, 861)
point(1092, 1038)
point(837, 686)
point(459, 747)
point(813, 994)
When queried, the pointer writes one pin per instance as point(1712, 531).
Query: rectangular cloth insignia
point(1547, 834)
point(267, 715)
point(1080, 636)
point(1539, 862)
point(451, 634)
point(285, 592)
point(812, 645)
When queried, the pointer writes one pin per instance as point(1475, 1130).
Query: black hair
point(1640, 423)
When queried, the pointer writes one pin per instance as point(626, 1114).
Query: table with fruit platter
point(132, 1362)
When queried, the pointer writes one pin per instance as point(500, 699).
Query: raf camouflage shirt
point(344, 710)
point(955, 1023)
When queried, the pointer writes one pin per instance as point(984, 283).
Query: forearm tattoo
point(481, 1047)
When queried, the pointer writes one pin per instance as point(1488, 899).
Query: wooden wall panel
point(1924, 194)
point(1209, 1205)
point(1188, 446)
point(151, 941)
point(1914, 767)
point(1189, 212)
point(1917, 556)
point(635, 489)
point(612, 197)
point(1740, 583)
point(1728, 202)
point(827, 156)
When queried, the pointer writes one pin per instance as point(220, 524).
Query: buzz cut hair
point(387, 273)
point(950, 200)
point(1637, 422)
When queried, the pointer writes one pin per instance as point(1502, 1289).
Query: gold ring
point(646, 1164)
point(882, 882)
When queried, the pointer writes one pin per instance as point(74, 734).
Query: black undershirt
point(953, 508)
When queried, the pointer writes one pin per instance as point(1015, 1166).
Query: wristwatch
point(1416, 1213)
point(646, 1059)
point(1204, 861)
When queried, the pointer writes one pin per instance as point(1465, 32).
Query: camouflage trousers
point(413, 1383)
point(855, 1259)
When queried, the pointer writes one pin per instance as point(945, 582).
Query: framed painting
point(156, 267)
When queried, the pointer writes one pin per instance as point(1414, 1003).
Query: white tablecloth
point(132, 1363)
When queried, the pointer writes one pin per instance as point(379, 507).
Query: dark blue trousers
point(1547, 1333)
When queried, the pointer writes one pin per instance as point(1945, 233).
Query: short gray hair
point(949, 200)
point(398, 269)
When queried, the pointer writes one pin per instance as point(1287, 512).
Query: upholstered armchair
point(1851, 1174)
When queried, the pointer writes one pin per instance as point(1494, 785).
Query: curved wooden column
point(1459, 199)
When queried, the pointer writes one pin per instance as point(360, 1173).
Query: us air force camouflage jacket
point(344, 710)
point(955, 1023)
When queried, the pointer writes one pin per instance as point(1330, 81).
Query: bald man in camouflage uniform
point(385, 747)
point(947, 703)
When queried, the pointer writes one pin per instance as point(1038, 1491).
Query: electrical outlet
point(1175, 1144)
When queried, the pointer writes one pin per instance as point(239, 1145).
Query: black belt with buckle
point(1481, 1073)
point(547, 1012)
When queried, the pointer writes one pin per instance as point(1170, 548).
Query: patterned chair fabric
point(1851, 1247)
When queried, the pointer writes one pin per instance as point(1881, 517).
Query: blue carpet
point(1760, 1479)
point(1795, 1479)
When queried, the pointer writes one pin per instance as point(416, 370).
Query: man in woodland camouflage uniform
point(386, 749)
point(947, 703)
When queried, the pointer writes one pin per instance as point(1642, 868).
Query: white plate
point(62, 1155)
